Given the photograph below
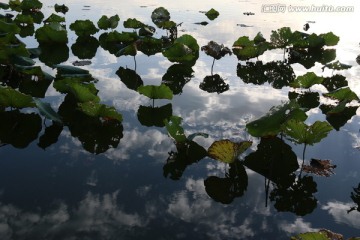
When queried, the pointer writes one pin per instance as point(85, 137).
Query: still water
point(127, 191)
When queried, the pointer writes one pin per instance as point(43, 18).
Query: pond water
point(103, 180)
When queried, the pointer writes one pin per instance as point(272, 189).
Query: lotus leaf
point(108, 22)
point(10, 97)
point(156, 92)
point(227, 151)
point(83, 27)
point(307, 80)
point(301, 133)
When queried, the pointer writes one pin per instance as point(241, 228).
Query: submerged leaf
point(227, 151)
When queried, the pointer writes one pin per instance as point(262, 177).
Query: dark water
point(118, 181)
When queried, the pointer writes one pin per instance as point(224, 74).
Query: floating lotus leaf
point(33, 5)
point(15, 5)
point(10, 97)
point(133, 23)
point(184, 50)
point(95, 109)
point(227, 151)
point(23, 19)
point(83, 27)
point(315, 41)
point(307, 80)
point(108, 22)
point(245, 49)
point(51, 33)
point(159, 16)
point(54, 18)
point(61, 84)
point(174, 129)
point(281, 38)
point(338, 115)
point(47, 111)
point(84, 93)
point(156, 92)
point(216, 50)
point(301, 133)
point(37, 16)
point(61, 8)
point(270, 124)
point(330, 39)
point(343, 94)
point(149, 45)
point(9, 27)
point(212, 14)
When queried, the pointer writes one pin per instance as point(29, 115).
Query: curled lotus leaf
point(216, 50)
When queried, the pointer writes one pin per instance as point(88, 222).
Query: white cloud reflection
point(338, 210)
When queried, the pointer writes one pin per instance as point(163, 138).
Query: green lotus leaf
point(10, 97)
point(321, 235)
point(307, 80)
point(343, 94)
point(301, 133)
point(129, 50)
point(160, 15)
point(54, 18)
point(51, 33)
point(337, 65)
point(147, 31)
point(4, 6)
point(156, 92)
point(176, 76)
point(259, 38)
point(184, 50)
point(212, 14)
point(9, 27)
point(330, 38)
point(281, 38)
point(36, 15)
point(23, 19)
point(315, 41)
point(149, 45)
point(15, 5)
point(270, 124)
point(47, 111)
point(133, 23)
point(338, 115)
point(108, 22)
point(62, 84)
point(166, 25)
point(70, 70)
point(61, 8)
point(227, 151)
point(22, 61)
point(31, 5)
point(84, 93)
point(95, 109)
point(174, 129)
point(83, 27)
point(245, 49)
point(216, 50)
point(27, 30)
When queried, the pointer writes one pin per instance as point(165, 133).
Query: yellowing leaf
point(226, 150)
